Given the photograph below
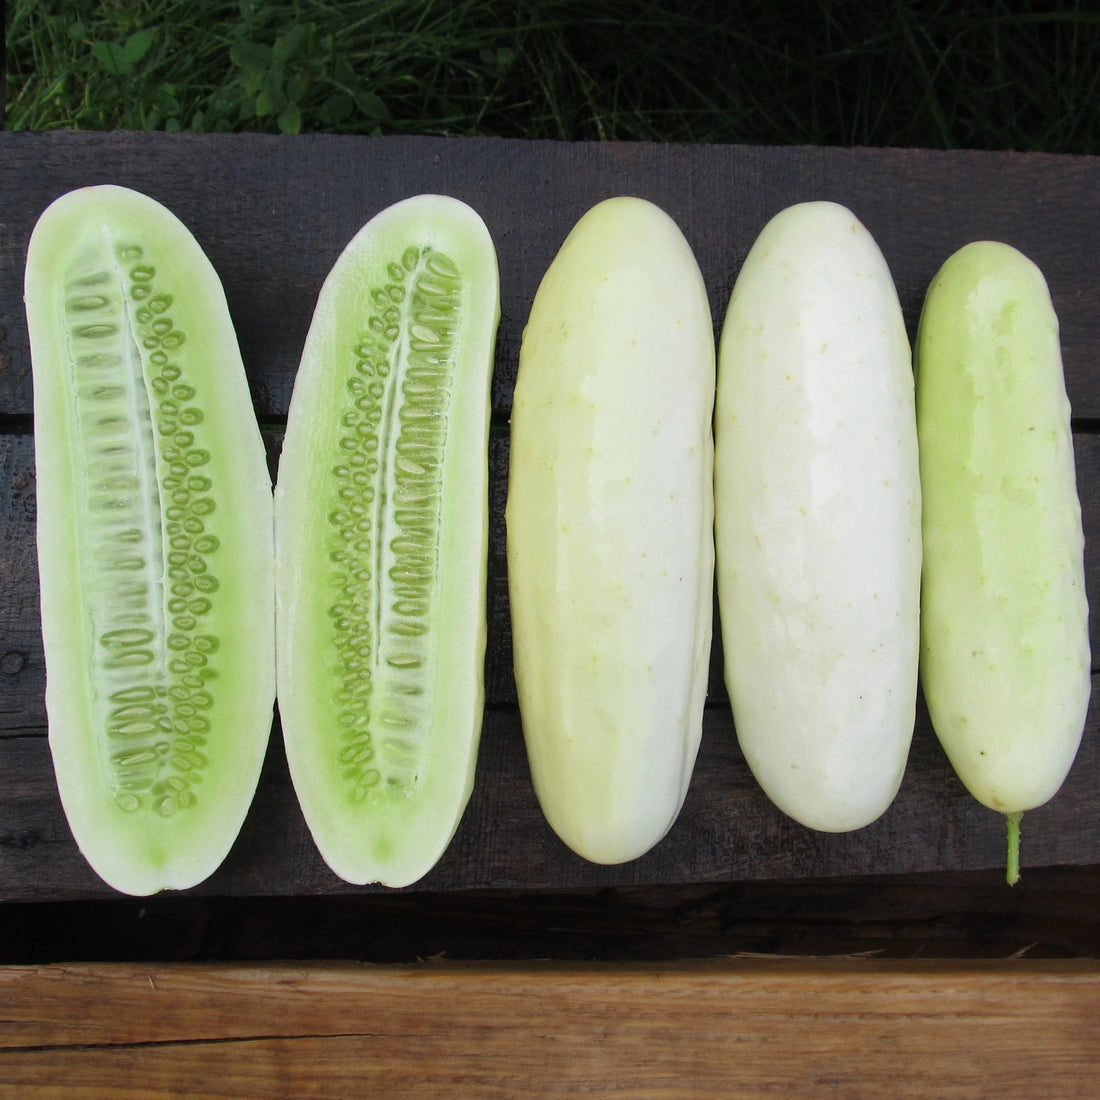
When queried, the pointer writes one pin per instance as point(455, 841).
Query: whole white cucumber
point(1005, 648)
point(817, 503)
point(610, 539)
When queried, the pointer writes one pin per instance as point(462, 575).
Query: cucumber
point(154, 541)
point(609, 529)
point(817, 505)
point(1005, 661)
point(381, 507)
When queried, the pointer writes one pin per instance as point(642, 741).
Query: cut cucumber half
point(382, 541)
point(154, 541)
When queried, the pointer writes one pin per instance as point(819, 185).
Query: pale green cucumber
point(1005, 661)
point(154, 541)
point(817, 519)
point(381, 513)
point(610, 540)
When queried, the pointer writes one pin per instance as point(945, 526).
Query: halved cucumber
point(382, 532)
point(154, 540)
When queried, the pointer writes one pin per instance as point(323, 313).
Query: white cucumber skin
point(1005, 660)
point(817, 531)
point(609, 521)
point(397, 838)
point(142, 853)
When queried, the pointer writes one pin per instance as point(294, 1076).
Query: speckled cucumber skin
point(381, 509)
point(610, 544)
point(154, 541)
point(1005, 661)
point(817, 503)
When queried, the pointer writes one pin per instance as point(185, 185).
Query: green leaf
point(137, 46)
point(271, 99)
point(290, 121)
point(371, 106)
point(251, 57)
point(166, 100)
point(270, 102)
point(336, 108)
point(344, 71)
point(296, 87)
point(111, 58)
point(253, 61)
point(286, 45)
point(497, 61)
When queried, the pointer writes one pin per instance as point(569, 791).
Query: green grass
point(866, 72)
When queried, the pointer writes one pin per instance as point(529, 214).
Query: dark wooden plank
point(1052, 912)
point(273, 234)
point(728, 830)
point(22, 665)
point(273, 213)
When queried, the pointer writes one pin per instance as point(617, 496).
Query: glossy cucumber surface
point(1005, 660)
point(817, 504)
point(610, 542)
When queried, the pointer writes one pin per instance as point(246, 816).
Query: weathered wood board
point(732, 1027)
point(274, 213)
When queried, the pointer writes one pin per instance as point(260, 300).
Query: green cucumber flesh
point(382, 541)
point(154, 540)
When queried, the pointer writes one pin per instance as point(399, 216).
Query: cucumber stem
point(1012, 869)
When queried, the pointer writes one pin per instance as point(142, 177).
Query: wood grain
point(744, 1027)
